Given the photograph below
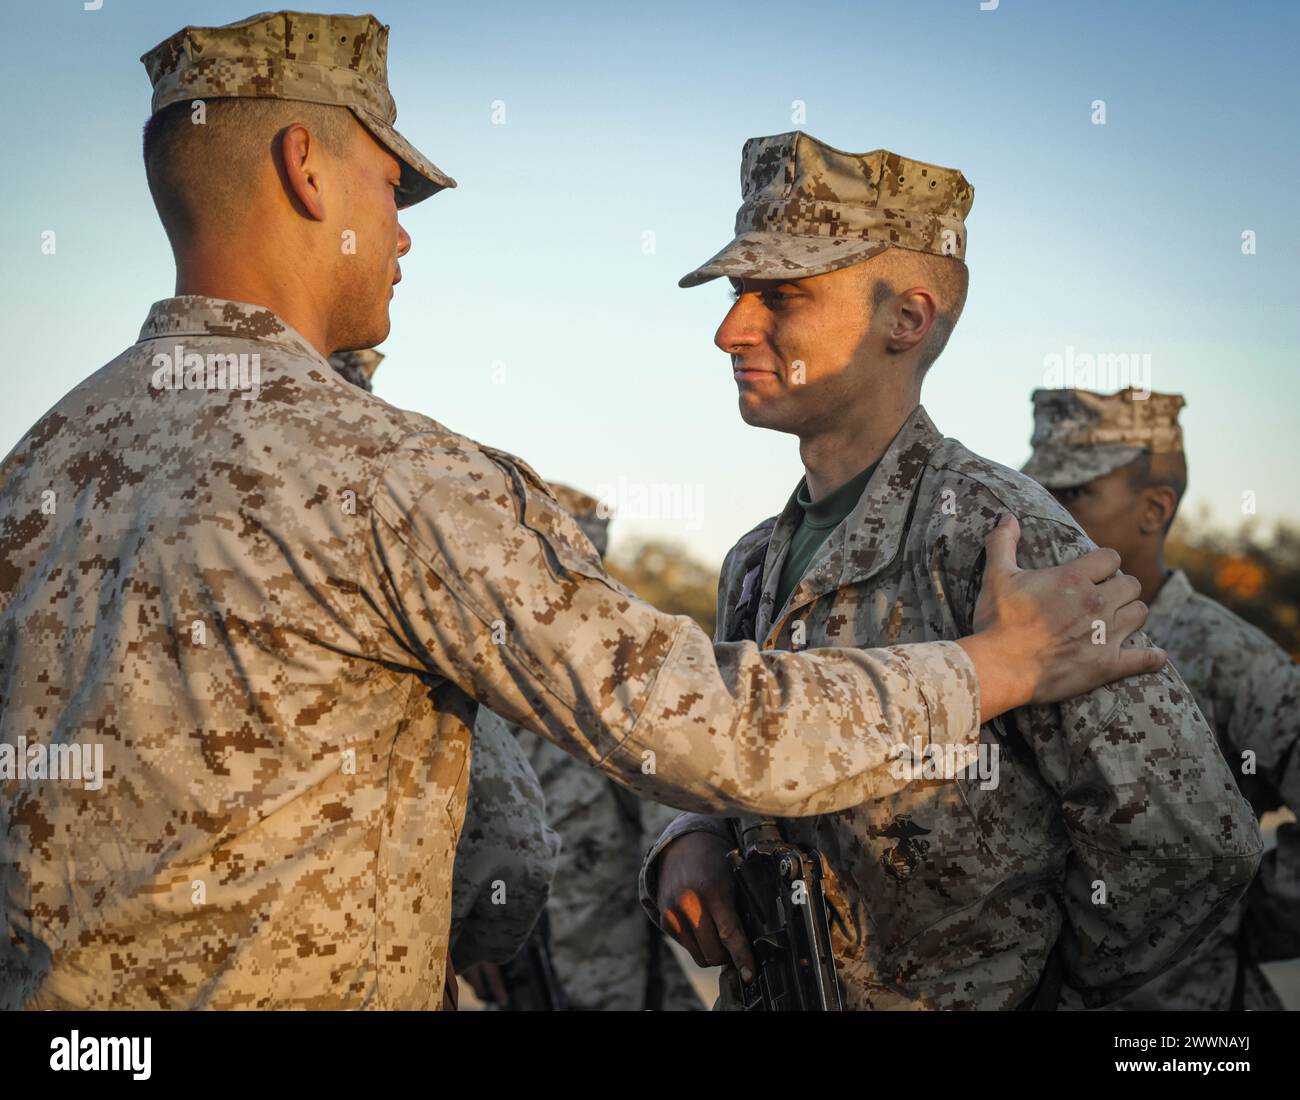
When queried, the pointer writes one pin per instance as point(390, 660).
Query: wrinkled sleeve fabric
point(507, 854)
point(483, 579)
point(1163, 844)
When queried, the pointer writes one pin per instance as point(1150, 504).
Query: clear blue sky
point(1108, 239)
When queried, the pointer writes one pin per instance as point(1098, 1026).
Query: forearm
point(518, 613)
point(1001, 688)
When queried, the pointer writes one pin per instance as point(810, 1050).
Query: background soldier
point(358, 367)
point(1105, 839)
point(1116, 462)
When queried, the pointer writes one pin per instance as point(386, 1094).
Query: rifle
point(783, 909)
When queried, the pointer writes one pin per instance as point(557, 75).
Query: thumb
point(1000, 546)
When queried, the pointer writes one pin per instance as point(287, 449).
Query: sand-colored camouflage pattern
point(954, 895)
point(587, 511)
point(275, 616)
point(808, 208)
point(337, 60)
point(358, 367)
point(1248, 689)
point(1080, 435)
point(507, 853)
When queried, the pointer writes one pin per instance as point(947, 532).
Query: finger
point(1119, 590)
point(1000, 546)
point(673, 924)
point(727, 923)
point(497, 984)
point(1099, 564)
point(1138, 660)
point(712, 949)
point(676, 925)
point(700, 919)
point(476, 983)
point(1128, 620)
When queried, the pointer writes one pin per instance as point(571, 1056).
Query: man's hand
point(1043, 635)
point(697, 903)
point(488, 983)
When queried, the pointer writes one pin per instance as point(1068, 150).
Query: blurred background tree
point(1253, 572)
point(664, 574)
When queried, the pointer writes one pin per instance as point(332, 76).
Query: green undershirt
point(820, 518)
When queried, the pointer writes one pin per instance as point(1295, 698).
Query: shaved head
point(283, 204)
point(1159, 471)
point(201, 172)
point(900, 269)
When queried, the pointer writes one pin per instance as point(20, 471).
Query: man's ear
point(913, 314)
point(1156, 509)
point(300, 159)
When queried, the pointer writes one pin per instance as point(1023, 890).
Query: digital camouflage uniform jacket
point(1248, 688)
point(507, 854)
point(272, 610)
point(954, 895)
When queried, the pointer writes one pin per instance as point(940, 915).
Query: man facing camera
point(1097, 840)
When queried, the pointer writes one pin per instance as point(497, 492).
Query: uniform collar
point(1175, 592)
point(194, 315)
point(870, 535)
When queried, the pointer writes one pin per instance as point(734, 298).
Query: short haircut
point(202, 171)
point(946, 277)
point(1166, 471)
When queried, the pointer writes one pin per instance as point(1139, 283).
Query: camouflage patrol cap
point(807, 208)
point(1080, 436)
point(337, 60)
point(358, 367)
point(587, 511)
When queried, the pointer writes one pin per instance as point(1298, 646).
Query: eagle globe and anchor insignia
point(903, 857)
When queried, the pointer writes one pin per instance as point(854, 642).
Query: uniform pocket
point(570, 551)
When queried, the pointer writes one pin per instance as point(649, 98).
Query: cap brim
point(421, 178)
point(1066, 467)
point(765, 255)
